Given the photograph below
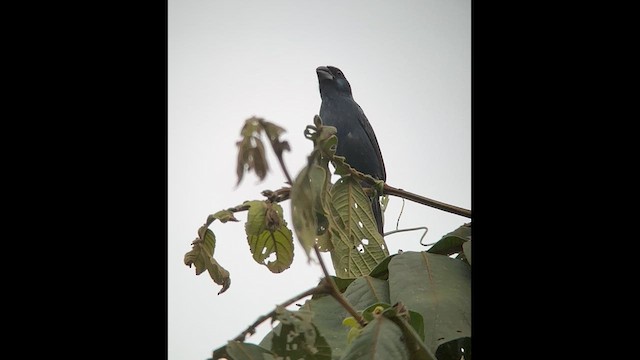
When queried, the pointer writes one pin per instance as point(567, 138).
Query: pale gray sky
point(409, 65)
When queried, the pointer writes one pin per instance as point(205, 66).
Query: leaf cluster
point(251, 152)
point(430, 291)
point(417, 306)
point(336, 217)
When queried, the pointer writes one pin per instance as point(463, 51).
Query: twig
point(335, 292)
point(400, 215)
point(327, 286)
point(279, 195)
point(238, 208)
point(426, 201)
point(284, 168)
point(387, 189)
point(320, 289)
point(426, 229)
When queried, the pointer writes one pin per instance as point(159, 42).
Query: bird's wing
point(364, 122)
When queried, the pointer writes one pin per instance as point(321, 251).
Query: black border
point(114, 180)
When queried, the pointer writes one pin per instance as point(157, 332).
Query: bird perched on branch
point(356, 140)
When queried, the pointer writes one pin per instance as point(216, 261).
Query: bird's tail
point(377, 213)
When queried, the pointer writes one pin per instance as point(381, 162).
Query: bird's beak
point(324, 73)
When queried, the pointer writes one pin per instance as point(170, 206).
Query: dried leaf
point(272, 130)
point(251, 153)
point(201, 255)
point(223, 216)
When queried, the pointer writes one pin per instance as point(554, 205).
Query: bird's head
point(332, 81)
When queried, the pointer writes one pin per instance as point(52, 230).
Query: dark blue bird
point(356, 140)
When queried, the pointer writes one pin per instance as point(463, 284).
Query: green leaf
point(358, 247)
point(439, 288)
point(434, 291)
point(236, 350)
point(365, 291)
point(279, 243)
point(412, 326)
point(317, 120)
point(256, 217)
point(384, 201)
point(329, 314)
point(374, 311)
point(350, 322)
point(417, 324)
point(328, 143)
point(309, 221)
point(466, 247)
point(268, 236)
point(325, 135)
point(344, 169)
point(452, 242)
point(381, 271)
point(293, 346)
point(455, 349)
point(341, 283)
point(413, 319)
point(201, 255)
point(354, 328)
point(327, 317)
point(298, 337)
point(380, 339)
point(341, 166)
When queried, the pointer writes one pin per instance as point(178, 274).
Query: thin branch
point(279, 195)
point(327, 286)
point(320, 289)
point(335, 292)
point(238, 208)
point(283, 194)
point(426, 229)
point(426, 201)
point(390, 190)
point(284, 168)
point(400, 215)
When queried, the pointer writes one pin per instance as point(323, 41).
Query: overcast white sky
point(409, 65)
